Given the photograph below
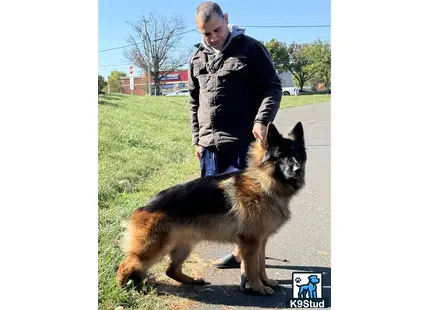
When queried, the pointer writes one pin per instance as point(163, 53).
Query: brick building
point(169, 83)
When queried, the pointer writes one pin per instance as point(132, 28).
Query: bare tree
point(156, 46)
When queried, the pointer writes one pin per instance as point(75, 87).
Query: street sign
point(131, 82)
point(131, 79)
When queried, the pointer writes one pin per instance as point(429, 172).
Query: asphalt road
point(304, 241)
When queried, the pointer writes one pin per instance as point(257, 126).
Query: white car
point(181, 92)
point(290, 91)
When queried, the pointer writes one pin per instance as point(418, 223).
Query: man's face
point(215, 31)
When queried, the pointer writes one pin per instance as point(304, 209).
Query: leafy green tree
point(300, 63)
point(320, 54)
point(279, 52)
point(114, 81)
point(102, 83)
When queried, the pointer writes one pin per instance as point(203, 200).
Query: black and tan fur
point(243, 207)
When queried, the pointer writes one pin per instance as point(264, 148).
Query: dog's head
point(313, 279)
point(284, 157)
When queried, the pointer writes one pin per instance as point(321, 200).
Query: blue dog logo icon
point(308, 290)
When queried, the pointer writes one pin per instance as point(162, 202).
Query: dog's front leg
point(312, 292)
point(263, 276)
point(250, 248)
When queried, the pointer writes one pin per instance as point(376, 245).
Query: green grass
point(145, 142)
point(295, 101)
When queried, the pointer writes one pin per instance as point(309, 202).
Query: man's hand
point(259, 131)
point(198, 151)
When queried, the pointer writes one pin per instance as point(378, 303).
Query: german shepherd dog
point(243, 207)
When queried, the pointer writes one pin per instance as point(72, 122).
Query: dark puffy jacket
point(233, 92)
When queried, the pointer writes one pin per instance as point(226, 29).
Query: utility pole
point(145, 39)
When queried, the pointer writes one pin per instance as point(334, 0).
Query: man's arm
point(269, 83)
point(193, 87)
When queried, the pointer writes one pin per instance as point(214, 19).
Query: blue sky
point(113, 28)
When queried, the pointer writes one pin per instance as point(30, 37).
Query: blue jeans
point(213, 162)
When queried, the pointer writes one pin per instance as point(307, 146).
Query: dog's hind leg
point(263, 276)
point(146, 245)
point(177, 258)
point(135, 267)
point(131, 268)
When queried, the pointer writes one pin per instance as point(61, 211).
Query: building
point(171, 82)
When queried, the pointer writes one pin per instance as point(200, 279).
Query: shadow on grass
point(109, 100)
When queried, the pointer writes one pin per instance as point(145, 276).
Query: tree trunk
point(157, 83)
point(302, 81)
point(327, 81)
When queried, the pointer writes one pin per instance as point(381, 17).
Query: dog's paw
point(271, 283)
point(269, 290)
point(265, 290)
point(200, 281)
point(246, 287)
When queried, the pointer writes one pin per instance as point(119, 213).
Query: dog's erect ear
point(297, 133)
point(272, 136)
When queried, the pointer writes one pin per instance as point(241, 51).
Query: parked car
point(290, 91)
point(181, 92)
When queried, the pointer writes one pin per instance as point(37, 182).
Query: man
point(234, 93)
